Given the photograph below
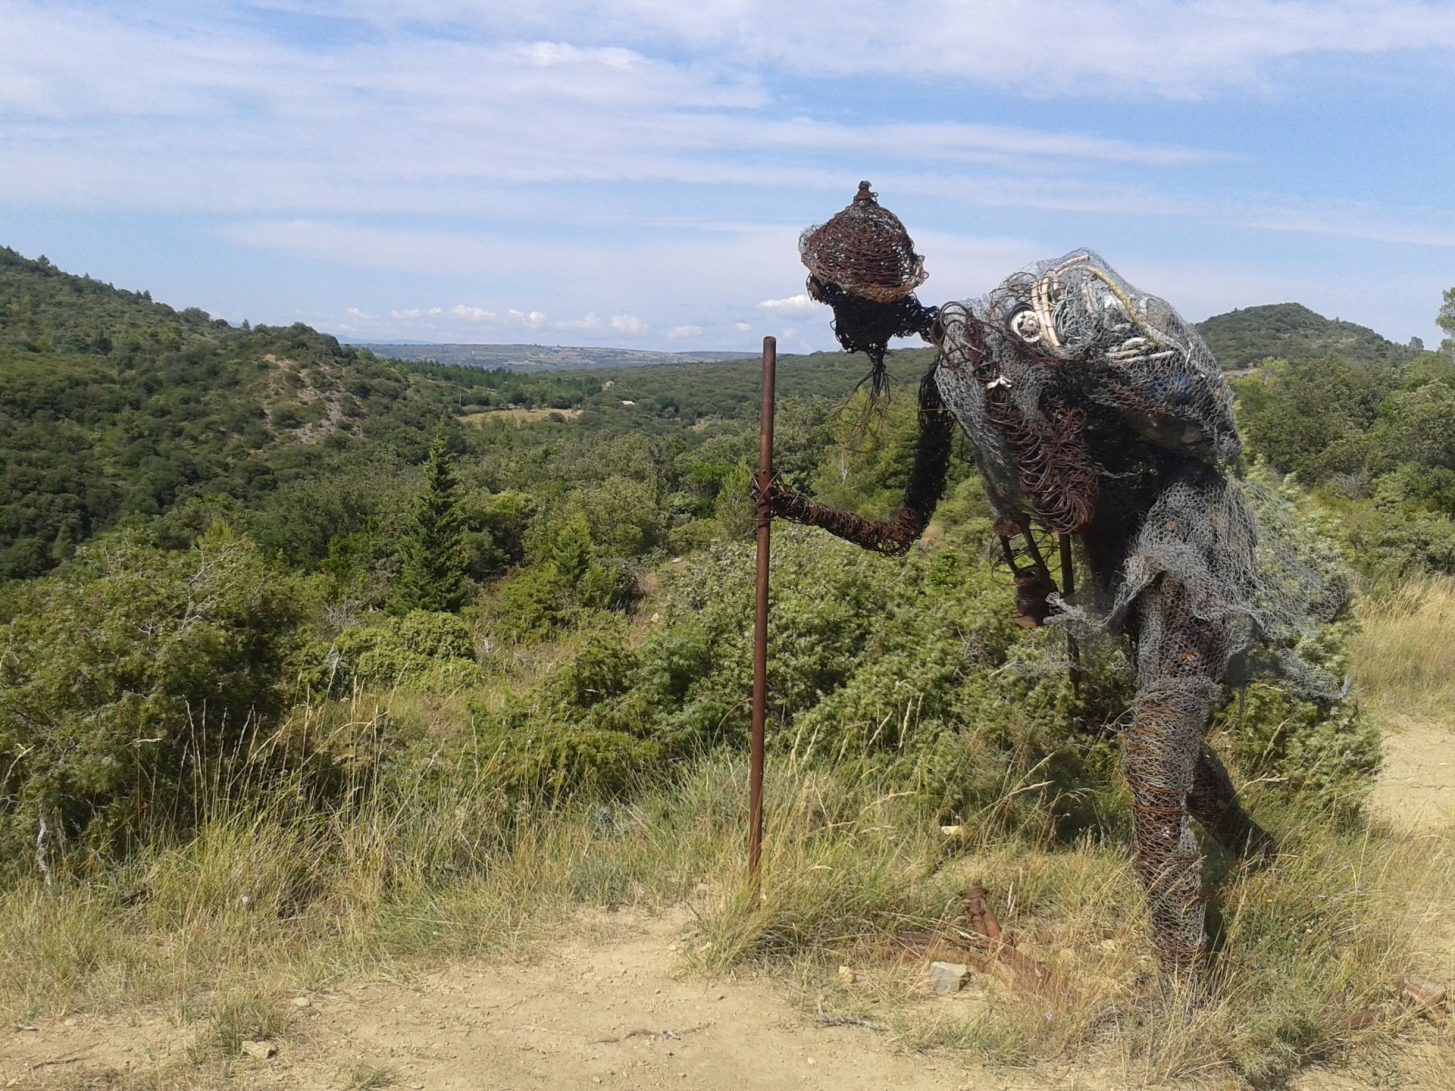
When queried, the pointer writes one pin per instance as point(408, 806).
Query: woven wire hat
point(864, 251)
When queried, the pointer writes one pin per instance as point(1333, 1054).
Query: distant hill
point(1242, 338)
point(541, 357)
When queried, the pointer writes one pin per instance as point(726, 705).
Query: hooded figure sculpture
point(1095, 412)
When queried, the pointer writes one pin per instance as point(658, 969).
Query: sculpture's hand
point(1033, 582)
point(1031, 607)
point(782, 502)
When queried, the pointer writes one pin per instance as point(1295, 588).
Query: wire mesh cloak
point(1093, 409)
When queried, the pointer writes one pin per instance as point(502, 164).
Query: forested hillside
point(115, 408)
point(372, 635)
point(1374, 439)
point(1247, 336)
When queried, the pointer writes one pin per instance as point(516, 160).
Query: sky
point(636, 173)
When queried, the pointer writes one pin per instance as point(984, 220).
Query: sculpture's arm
point(922, 494)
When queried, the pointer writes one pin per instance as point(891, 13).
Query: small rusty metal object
point(1000, 954)
point(977, 908)
point(1424, 995)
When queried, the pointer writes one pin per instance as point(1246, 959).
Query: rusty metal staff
point(760, 619)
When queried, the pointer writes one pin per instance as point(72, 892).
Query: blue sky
point(637, 172)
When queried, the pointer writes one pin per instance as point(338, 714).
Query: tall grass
point(272, 896)
point(1309, 947)
point(1404, 653)
point(275, 892)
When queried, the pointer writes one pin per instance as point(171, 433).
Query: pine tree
point(433, 576)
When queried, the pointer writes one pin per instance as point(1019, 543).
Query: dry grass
point(267, 901)
point(1310, 947)
point(1404, 654)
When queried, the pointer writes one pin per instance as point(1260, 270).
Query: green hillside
point(1290, 331)
point(115, 408)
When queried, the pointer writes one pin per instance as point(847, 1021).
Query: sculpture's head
point(862, 264)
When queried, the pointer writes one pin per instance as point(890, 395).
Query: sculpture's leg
point(1214, 803)
point(1161, 754)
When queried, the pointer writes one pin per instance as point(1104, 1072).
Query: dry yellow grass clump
point(1404, 653)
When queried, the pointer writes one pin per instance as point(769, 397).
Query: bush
point(583, 728)
point(913, 666)
point(418, 649)
point(1329, 755)
point(129, 680)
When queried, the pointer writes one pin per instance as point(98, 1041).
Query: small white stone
point(948, 978)
point(260, 1050)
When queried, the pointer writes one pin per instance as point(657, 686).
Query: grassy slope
point(270, 899)
point(212, 933)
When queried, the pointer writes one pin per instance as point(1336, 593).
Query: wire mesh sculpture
point(1093, 411)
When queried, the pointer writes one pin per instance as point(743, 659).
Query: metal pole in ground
point(760, 619)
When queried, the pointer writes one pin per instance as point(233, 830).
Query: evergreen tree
point(433, 576)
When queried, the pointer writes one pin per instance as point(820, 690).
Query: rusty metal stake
point(760, 618)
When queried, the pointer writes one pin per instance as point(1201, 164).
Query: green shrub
point(583, 728)
point(572, 759)
point(420, 649)
point(1326, 753)
point(129, 680)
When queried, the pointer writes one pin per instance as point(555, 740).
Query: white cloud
point(684, 333)
point(588, 322)
point(799, 304)
point(473, 314)
point(628, 324)
point(1163, 47)
point(409, 313)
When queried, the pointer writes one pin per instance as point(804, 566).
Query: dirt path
point(609, 1007)
point(1416, 789)
point(606, 1009)
point(1416, 795)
